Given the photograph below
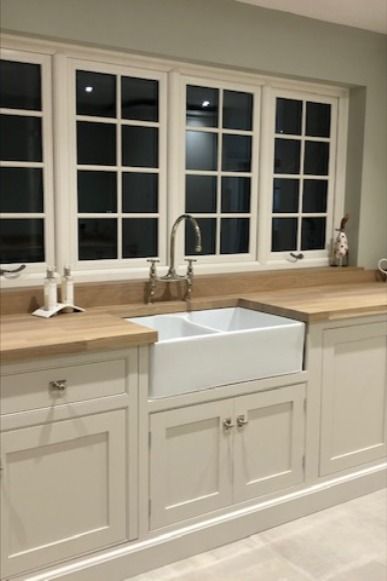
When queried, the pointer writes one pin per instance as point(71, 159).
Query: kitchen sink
point(204, 349)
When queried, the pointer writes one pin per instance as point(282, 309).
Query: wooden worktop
point(26, 337)
point(330, 302)
point(101, 328)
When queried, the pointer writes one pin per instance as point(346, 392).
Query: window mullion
point(219, 176)
point(119, 167)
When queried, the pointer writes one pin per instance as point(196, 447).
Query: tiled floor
point(344, 543)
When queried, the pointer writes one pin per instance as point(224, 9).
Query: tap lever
point(152, 268)
point(189, 265)
point(152, 279)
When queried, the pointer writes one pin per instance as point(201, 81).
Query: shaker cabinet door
point(268, 442)
point(63, 486)
point(354, 396)
point(190, 462)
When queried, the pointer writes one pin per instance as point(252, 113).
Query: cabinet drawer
point(42, 388)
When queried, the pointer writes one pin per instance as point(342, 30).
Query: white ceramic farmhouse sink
point(205, 349)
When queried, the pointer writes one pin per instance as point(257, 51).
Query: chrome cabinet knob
point(227, 424)
point(58, 385)
point(242, 421)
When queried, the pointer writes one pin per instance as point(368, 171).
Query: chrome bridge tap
point(172, 275)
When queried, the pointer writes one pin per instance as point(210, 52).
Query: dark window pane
point(140, 192)
point(200, 194)
point(97, 238)
point(318, 119)
point(287, 156)
point(284, 234)
point(139, 237)
point(235, 194)
point(208, 230)
point(285, 195)
point(96, 143)
point(96, 94)
point(140, 99)
point(237, 110)
point(202, 106)
point(21, 240)
point(140, 146)
point(201, 150)
point(234, 235)
point(236, 153)
point(20, 138)
point(20, 86)
point(315, 196)
point(21, 189)
point(97, 191)
point(316, 158)
point(288, 116)
point(313, 233)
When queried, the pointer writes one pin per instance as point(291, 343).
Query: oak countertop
point(102, 328)
point(324, 303)
point(25, 336)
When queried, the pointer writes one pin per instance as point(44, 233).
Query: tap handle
point(153, 262)
point(190, 261)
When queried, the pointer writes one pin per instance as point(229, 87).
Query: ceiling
point(366, 14)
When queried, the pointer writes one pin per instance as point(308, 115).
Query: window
point(119, 130)
point(259, 162)
point(26, 165)
point(221, 168)
point(302, 175)
point(301, 169)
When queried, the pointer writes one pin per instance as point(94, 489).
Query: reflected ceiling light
point(89, 89)
point(205, 103)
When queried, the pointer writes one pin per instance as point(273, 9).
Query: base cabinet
point(208, 456)
point(354, 396)
point(63, 487)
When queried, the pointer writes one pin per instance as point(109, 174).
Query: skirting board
point(124, 561)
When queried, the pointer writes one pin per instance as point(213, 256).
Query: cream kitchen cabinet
point(208, 456)
point(68, 479)
point(354, 396)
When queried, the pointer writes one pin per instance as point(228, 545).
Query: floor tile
point(347, 542)
point(372, 571)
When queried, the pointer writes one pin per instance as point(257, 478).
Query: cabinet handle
point(58, 385)
point(227, 424)
point(242, 421)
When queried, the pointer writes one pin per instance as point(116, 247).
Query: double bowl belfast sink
point(204, 349)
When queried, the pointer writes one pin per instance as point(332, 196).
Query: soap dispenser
point(50, 290)
point(67, 289)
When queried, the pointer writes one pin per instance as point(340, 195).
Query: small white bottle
point(50, 290)
point(67, 288)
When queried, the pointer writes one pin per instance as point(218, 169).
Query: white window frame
point(35, 270)
point(178, 151)
point(68, 203)
point(175, 74)
point(311, 257)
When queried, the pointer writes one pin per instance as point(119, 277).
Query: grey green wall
point(228, 33)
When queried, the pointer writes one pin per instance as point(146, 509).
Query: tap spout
point(171, 274)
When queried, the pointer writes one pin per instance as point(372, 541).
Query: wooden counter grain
point(102, 328)
point(330, 302)
point(26, 337)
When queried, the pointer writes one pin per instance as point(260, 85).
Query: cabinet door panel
point(62, 490)
point(354, 390)
point(190, 462)
point(269, 448)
